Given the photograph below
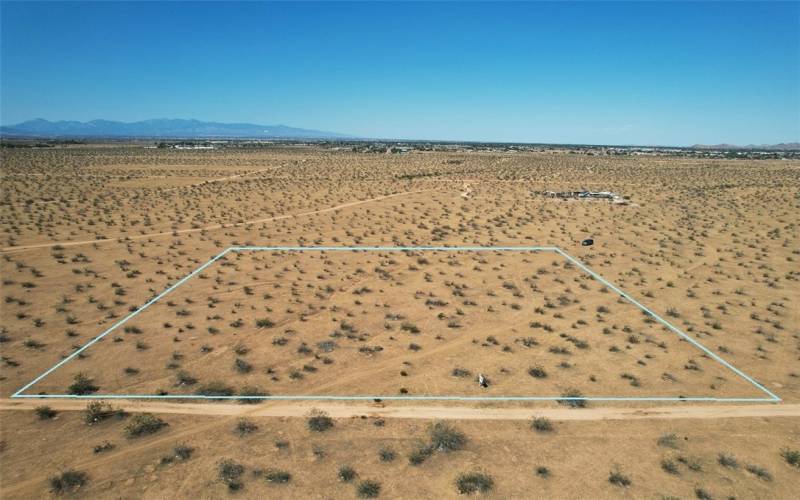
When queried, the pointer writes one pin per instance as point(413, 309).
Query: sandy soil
point(91, 233)
point(426, 412)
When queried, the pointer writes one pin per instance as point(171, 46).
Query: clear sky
point(602, 73)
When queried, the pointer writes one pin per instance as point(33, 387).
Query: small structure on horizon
point(580, 195)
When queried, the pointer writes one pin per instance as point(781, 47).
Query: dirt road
point(206, 228)
point(338, 410)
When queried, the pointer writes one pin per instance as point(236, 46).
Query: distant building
point(597, 195)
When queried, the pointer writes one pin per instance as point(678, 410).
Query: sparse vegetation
point(319, 421)
point(474, 482)
point(97, 411)
point(45, 412)
point(230, 473)
point(616, 478)
point(82, 385)
point(712, 245)
point(68, 481)
point(346, 474)
point(542, 424)
point(792, 457)
point(143, 424)
point(368, 489)
point(446, 438)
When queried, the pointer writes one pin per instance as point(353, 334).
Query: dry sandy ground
point(89, 234)
point(579, 456)
point(425, 412)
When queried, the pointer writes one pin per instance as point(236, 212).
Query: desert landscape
point(374, 355)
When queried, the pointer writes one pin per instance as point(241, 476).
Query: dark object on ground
point(587, 242)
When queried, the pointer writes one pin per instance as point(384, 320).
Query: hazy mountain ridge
point(161, 128)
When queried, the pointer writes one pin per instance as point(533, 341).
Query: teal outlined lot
point(771, 397)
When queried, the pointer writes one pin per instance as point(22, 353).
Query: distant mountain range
point(161, 129)
point(783, 146)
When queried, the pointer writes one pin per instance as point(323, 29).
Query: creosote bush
point(183, 452)
point(758, 471)
point(668, 440)
point(97, 411)
point(346, 473)
point(446, 438)
point(143, 424)
point(68, 481)
point(319, 421)
point(573, 403)
point(45, 412)
point(728, 461)
point(245, 427)
point(792, 457)
point(215, 388)
point(418, 456)
point(368, 489)
point(616, 478)
point(82, 385)
point(537, 372)
point(386, 454)
point(230, 473)
point(474, 482)
point(277, 476)
point(542, 424)
point(251, 394)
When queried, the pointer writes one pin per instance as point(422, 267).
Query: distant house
point(597, 195)
point(192, 146)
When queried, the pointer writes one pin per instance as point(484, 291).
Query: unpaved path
point(148, 177)
point(282, 409)
point(339, 410)
point(222, 179)
point(69, 243)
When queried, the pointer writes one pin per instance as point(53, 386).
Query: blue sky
point(603, 73)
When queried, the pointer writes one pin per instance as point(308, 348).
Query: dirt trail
point(201, 183)
point(221, 179)
point(284, 409)
point(340, 410)
point(68, 243)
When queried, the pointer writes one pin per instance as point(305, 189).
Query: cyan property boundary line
point(772, 397)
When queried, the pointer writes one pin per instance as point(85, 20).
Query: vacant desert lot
point(91, 233)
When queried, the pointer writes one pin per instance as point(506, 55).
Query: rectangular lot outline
point(773, 398)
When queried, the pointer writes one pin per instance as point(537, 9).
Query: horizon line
point(346, 136)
